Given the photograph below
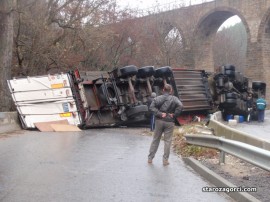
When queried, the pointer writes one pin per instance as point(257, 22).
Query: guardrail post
point(221, 157)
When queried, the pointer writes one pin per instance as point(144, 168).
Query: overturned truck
point(231, 92)
point(121, 97)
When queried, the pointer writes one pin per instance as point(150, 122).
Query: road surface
point(95, 165)
point(256, 129)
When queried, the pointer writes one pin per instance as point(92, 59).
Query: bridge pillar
point(203, 54)
point(258, 59)
point(254, 61)
point(265, 68)
point(188, 59)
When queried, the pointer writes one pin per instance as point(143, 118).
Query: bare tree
point(6, 43)
point(52, 35)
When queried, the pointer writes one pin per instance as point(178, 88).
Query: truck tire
point(256, 85)
point(128, 71)
point(230, 73)
point(136, 111)
point(145, 72)
point(229, 104)
point(231, 101)
point(107, 87)
point(163, 72)
point(220, 81)
point(231, 96)
point(229, 67)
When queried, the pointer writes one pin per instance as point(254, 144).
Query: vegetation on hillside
point(230, 46)
point(56, 36)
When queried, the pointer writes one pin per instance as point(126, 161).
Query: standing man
point(261, 105)
point(166, 108)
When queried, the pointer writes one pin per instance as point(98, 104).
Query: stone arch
point(168, 26)
point(264, 28)
point(165, 26)
point(174, 47)
point(186, 54)
point(205, 32)
point(171, 26)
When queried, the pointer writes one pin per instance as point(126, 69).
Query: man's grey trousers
point(160, 127)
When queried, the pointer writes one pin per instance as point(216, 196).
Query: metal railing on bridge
point(168, 6)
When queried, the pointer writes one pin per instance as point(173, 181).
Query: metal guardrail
point(249, 153)
point(222, 129)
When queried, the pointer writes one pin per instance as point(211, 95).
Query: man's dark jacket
point(168, 104)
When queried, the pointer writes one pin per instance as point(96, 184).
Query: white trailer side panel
point(44, 98)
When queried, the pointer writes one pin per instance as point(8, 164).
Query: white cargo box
point(44, 98)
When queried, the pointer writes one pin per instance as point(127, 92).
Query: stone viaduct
point(198, 25)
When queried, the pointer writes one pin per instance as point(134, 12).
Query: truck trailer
point(90, 99)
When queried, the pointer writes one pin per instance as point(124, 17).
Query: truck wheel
point(136, 111)
point(163, 72)
point(146, 72)
point(230, 73)
point(231, 96)
point(256, 85)
point(128, 71)
point(107, 87)
point(231, 101)
point(220, 81)
point(229, 67)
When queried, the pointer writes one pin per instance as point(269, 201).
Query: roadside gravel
point(242, 174)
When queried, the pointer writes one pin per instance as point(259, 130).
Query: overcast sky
point(148, 4)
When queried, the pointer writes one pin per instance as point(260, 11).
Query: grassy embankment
point(181, 147)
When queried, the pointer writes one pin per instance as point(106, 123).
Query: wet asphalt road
point(93, 165)
point(256, 129)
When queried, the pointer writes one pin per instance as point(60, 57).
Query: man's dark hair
point(167, 88)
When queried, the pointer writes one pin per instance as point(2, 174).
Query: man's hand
point(171, 115)
point(163, 115)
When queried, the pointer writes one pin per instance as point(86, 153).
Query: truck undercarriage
point(121, 96)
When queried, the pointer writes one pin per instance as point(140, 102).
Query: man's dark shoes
point(165, 162)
